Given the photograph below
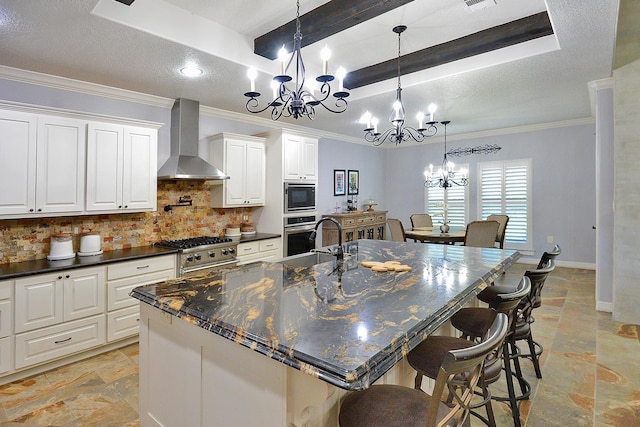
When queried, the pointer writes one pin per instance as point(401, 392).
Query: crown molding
point(57, 82)
point(79, 86)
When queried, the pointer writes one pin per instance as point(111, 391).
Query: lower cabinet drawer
point(61, 340)
point(5, 355)
point(123, 323)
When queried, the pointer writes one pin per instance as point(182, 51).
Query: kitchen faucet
point(338, 252)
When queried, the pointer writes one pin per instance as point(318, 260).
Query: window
point(505, 189)
point(455, 198)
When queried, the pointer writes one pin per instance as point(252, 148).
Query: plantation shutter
point(505, 190)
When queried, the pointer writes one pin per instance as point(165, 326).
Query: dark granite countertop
point(345, 327)
point(39, 266)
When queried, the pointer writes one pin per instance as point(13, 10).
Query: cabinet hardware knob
point(31, 210)
point(39, 209)
point(67, 276)
point(61, 341)
point(59, 277)
point(126, 206)
point(120, 207)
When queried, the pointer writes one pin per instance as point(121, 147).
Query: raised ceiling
point(141, 48)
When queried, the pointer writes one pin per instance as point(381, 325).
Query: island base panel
point(190, 376)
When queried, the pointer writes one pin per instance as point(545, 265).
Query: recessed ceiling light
point(191, 71)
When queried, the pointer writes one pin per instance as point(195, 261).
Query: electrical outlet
point(549, 239)
point(75, 230)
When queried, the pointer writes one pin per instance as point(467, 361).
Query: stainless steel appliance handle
point(290, 228)
point(208, 267)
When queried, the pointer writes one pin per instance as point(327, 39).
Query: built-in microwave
point(299, 197)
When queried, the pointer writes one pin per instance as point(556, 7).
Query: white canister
point(90, 243)
point(61, 247)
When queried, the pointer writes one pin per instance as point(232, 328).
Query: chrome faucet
point(338, 252)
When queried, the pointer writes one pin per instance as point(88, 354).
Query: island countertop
point(345, 326)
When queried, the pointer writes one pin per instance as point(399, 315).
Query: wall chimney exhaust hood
point(184, 162)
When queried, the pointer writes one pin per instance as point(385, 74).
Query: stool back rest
point(528, 303)
point(509, 303)
point(459, 374)
point(549, 255)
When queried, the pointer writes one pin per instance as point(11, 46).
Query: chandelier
point(299, 101)
point(446, 176)
point(399, 132)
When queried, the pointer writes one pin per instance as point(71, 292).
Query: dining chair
point(421, 220)
point(396, 230)
point(481, 234)
point(393, 405)
point(503, 220)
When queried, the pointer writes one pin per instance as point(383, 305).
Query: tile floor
point(591, 370)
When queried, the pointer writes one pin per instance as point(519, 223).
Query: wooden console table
point(355, 226)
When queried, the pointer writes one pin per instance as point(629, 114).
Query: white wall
point(563, 183)
point(626, 255)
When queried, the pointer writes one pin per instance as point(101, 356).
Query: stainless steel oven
point(199, 255)
point(297, 231)
point(299, 198)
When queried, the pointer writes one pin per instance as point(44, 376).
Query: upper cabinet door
point(309, 159)
point(255, 182)
point(139, 186)
point(291, 162)
point(300, 158)
point(236, 167)
point(121, 168)
point(17, 162)
point(60, 158)
point(104, 166)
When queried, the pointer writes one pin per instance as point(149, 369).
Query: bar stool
point(427, 356)
point(397, 406)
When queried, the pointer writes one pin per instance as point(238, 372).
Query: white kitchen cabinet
point(48, 299)
point(260, 250)
point(44, 344)
point(6, 326)
point(122, 277)
point(300, 158)
point(121, 168)
point(42, 164)
point(243, 159)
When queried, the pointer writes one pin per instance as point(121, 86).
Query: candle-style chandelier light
point(399, 132)
point(446, 176)
point(299, 101)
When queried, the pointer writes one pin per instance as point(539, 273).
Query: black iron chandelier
point(399, 132)
point(299, 102)
point(446, 176)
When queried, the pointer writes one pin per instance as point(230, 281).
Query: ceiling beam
point(322, 22)
point(508, 34)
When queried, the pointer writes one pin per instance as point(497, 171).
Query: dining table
point(434, 235)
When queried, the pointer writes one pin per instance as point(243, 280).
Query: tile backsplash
point(28, 239)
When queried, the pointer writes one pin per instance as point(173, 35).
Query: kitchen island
point(275, 345)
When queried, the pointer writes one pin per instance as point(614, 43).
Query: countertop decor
point(39, 266)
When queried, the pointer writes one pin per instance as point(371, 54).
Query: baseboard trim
point(604, 306)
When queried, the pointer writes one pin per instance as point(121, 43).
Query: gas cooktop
point(193, 242)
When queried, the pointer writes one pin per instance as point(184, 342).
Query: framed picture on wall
point(339, 182)
point(353, 182)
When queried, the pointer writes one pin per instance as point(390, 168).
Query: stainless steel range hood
point(184, 162)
